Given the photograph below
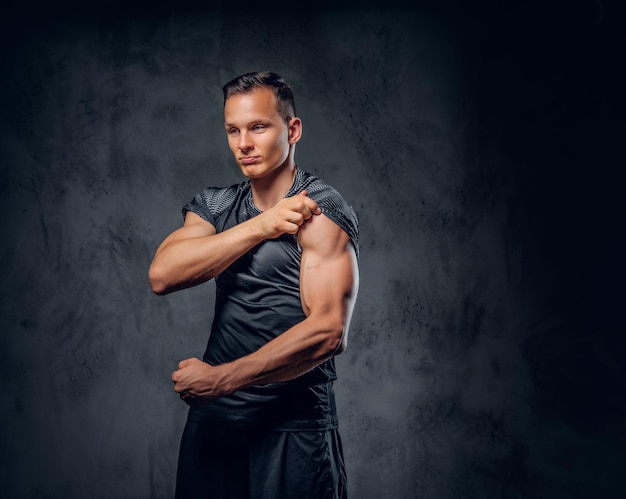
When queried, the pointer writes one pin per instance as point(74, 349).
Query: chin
point(252, 174)
point(248, 170)
point(257, 171)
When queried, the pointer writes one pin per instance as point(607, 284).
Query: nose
point(245, 144)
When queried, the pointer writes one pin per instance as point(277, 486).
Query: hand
point(197, 382)
point(288, 215)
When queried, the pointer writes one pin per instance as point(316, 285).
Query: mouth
point(248, 160)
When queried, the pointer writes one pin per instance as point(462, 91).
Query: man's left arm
point(328, 287)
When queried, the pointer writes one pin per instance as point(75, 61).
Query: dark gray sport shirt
point(257, 299)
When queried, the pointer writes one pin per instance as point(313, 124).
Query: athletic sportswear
point(223, 463)
point(257, 299)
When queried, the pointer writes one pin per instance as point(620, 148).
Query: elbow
point(337, 338)
point(340, 343)
point(157, 281)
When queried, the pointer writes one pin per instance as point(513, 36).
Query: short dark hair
point(251, 81)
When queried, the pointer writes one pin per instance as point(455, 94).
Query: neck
point(268, 191)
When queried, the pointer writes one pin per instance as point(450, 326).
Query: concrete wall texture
point(479, 149)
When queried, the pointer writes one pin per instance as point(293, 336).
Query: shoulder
point(211, 202)
point(332, 204)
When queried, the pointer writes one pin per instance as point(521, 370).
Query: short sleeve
point(337, 209)
point(210, 203)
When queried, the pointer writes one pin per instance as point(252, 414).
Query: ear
point(295, 130)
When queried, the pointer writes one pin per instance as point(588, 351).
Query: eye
point(232, 131)
point(258, 128)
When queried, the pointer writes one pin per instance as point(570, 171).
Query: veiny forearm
point(292, 354)
point(186, 262)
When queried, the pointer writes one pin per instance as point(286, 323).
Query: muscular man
point(282, 247)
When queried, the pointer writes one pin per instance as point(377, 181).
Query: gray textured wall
point(477, 146)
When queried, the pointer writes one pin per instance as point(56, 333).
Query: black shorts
point(223, 463)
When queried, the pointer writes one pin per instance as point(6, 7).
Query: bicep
point(329, 271)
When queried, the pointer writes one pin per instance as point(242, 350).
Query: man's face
point(257, 135)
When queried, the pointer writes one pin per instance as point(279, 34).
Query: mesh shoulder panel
point(211, 202)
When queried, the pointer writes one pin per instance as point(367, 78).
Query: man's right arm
point(195, 253)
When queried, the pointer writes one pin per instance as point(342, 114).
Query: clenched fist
point(198, 382)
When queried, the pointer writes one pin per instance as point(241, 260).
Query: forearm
point(186, 262)
point(292, 354)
